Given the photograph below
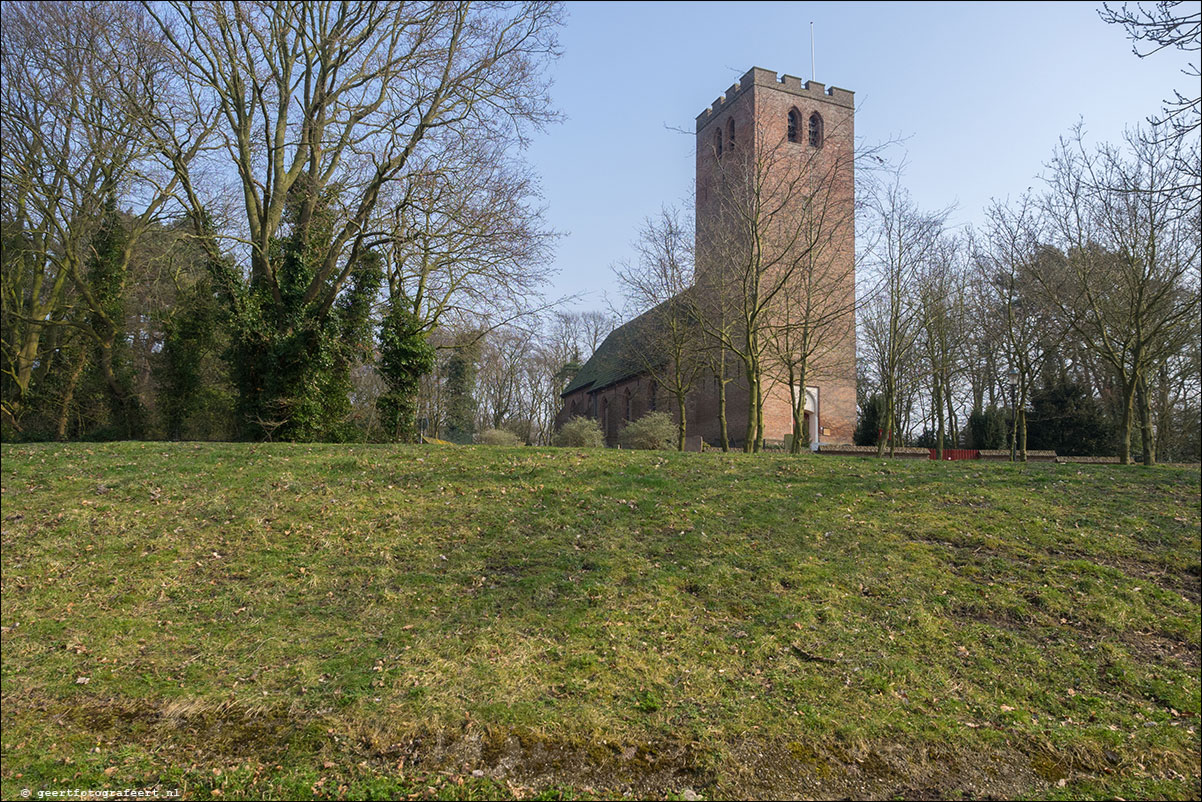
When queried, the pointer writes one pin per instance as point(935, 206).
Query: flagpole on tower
point(813, 76)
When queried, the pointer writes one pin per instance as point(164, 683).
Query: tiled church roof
point(628, 351)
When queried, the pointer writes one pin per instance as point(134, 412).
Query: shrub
point(499, 437)
point(655, 430)
point(1067, 419)
point(989, 428)
point(872, 417)
point(580, 433)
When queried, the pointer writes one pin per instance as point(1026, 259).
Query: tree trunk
point(753, 404)
point(1125, 430)
point(1022, 434)
point(885, 436)
point(681, 422)
point(1161, 418)
point(723, 434)
point(26, 358)
point(60, 426)
point(1022, 420)
point(937, 403)
point(759, 422)
point(1145, 421)
point(953, 427)
point(126, 403)
point(800, 430)
point(1013, 440)
point(883, 425)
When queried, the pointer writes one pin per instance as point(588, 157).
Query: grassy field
point(282, 621)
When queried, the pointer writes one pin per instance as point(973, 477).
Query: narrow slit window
point(718, 144)
point(730, 135)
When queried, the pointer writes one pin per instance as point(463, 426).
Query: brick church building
point(775, 238)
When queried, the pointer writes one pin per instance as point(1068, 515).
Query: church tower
point(775, 237)
point(775, 218)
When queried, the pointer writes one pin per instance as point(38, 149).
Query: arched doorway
point(811, 417)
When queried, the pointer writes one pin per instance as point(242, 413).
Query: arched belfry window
point(794, 126)
point(718, 143)
point(730, 135)
point(816, 130)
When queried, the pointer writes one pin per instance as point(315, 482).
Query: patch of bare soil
point(752, 768)
point(1156, 648)
point(878, 772)
point(524, 759)
point(1186, 581)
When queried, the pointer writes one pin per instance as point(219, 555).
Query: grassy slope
point(384, 621)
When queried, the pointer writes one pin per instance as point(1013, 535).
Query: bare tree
point(76, 78)
point(812, 330)
point(466, 246)
point(777, 211)
point(575, 336)
point(941, 290)
point(1009, 253)
point(671, 345)
point(1129, 282)
point(541, 372)
point(344, 130)
point(1178, 25)
point(904, 244)
point(322, 97)
point(501, 377)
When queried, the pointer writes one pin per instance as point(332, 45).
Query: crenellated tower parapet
point(791, 84)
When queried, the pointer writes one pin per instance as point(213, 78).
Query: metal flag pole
point(813, 75)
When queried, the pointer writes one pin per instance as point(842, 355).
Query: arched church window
point(627, 405)
point(718, 143)
point(730, 135)
point(815, 130)
point(794, 126)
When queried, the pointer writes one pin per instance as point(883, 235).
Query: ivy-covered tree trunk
point(405, 356)
point(78, 364)
point(190, 335)
point(105, 289)
point(461, 389)
point(291, 353)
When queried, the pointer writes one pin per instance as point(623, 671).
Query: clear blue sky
point(982, 91)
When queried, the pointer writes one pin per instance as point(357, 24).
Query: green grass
point(388, 622)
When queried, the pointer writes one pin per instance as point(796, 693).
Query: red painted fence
point(958, 453)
